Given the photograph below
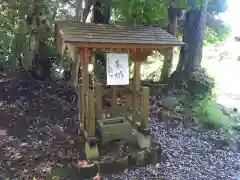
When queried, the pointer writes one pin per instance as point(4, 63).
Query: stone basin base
point(112, 161)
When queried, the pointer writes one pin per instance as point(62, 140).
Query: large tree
point(193, 34)
point(16, 33)
point(198, 15)
point(193, 29)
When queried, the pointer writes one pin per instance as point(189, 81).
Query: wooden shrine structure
point(138, 42)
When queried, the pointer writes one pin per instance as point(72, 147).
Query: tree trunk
point(88, 4)
point(168, 56)
point(79, 10)
point(18, 44)
point(79, 16)
point(191, 54)
point(33, 19)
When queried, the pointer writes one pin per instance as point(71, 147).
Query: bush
point(209, 114)
point(201, 99)
point(207, 111)
point(200, 85)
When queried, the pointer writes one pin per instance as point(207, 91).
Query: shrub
point(200, 85)
point(209, 114)
point(201, 99)
point(197, 84)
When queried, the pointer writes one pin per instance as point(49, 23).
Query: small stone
point(178, 108)
point(159, 103)
point(169, 102)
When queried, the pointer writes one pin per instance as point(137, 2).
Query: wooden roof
point(111, 36)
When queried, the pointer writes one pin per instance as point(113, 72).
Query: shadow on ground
point(37, 127)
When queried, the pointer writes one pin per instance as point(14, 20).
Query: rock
point(159, 103)
point(225, 111)
point(179, 108)
point(169, 102)
point(236, 126)
point(57, 74)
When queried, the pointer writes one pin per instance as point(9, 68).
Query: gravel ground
point(191, 153)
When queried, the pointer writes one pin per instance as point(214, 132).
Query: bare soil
point(38, 125)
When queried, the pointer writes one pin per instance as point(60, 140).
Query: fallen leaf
point(97, 177)
point(83, 163)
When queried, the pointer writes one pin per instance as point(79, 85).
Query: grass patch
point(208, 113)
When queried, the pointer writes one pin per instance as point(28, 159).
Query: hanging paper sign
point(117, 69)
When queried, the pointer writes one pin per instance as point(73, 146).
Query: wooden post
point(80, 93)
point(86, 110)
point(143, 136)
point(167, 64)
point(99, 104)
point(85, 85)
point(136, 90)
point(144, 108)
point(114, 101)
point(91, 114)
point(79, 90)
point(76, 67)
point(79, 103)
point(168, 56)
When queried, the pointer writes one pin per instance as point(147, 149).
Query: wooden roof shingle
point(74, 32)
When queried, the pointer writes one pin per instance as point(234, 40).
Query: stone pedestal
point(144, 141)
point(114, 129)
point(91, 150)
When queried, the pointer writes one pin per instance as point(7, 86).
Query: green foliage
point(214, 37)
point(142, 11)
point(15, 32)
point(214, 6)
point(217, 6)
point(200, 84)
point(216, 32)
point(197, 84)
point(100, 65)
point(155, 11)
point(208, 114)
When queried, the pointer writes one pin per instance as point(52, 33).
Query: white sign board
point(117, 69)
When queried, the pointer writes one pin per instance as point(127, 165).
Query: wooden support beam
point(85, 85)
point(91, 126)
point(79, 104)
point(115, 45)
point(99, 104)
point(167, 64)
point(76, 59)
point(144, 108)
point(114, 101)
point(86, 110)
point(136, 87)
point(80, 94)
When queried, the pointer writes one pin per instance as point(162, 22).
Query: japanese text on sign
point(117, 69)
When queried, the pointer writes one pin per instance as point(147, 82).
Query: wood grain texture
point(114, 36)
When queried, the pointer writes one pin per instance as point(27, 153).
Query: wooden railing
point(134, 108)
